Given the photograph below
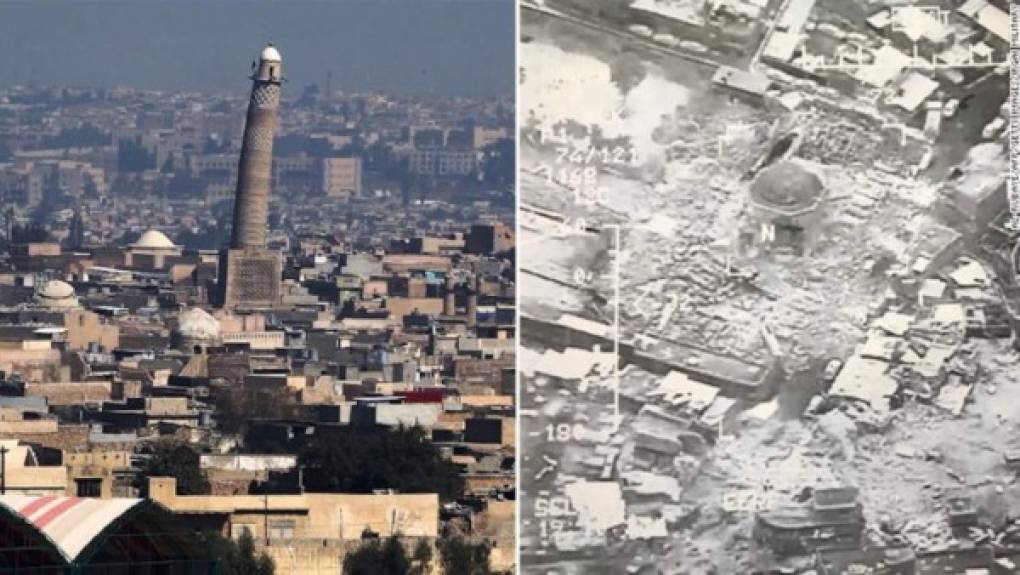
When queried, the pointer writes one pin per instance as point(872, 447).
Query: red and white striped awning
point(71, 523)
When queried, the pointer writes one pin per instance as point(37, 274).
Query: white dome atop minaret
point(270, 54)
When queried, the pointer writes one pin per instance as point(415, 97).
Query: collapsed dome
point(788, 187)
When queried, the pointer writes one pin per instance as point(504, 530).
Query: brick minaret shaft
point(251, 202)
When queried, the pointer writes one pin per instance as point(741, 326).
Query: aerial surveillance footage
point(768, 288)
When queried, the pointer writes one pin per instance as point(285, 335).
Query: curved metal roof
point(69, 523)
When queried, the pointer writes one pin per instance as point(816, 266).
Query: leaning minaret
point(254, 172)
point(249, 275)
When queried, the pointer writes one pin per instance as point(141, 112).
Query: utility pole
point(265, 505)
point(3, 469)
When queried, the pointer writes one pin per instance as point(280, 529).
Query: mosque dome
point(56, 294)
point(787, 186)
point(153, 240)
point(197, 325)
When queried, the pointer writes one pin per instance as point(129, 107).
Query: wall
point(424, 415)
point(74, 393)
point(96, 465)
point(34, 365)
point(257, 340)
point(486, 400)
point(401, 306)
point(407, 262)
point(249, 462)
point(84, 327)
point(22, 476)
point(316, 515)
point(8, 428)
point(325, 558)
point(36, 480)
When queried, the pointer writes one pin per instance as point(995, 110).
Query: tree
point(237, 557)
point(360, 461)
point(388, 557)
point(462, 557)
point(421, 559)
point(174, 458)
point(132, 156)
point(250, 564)
point(83, 136)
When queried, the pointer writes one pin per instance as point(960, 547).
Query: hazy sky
point(448, 47)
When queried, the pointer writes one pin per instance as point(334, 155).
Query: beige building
point(307, 516)
point(234, 323)
point(341, 177)
point(78, 393)
point(440, 245)
point(76, 177)
point(483, 136)
point(24, 476)
point(443, 162)
point(401, 306)
point(34, 360)
point(85, 327)
point(102, 474)
point(36, 249)
point(375, 287)
point(403, 263)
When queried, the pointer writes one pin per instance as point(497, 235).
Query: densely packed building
point(391, 316)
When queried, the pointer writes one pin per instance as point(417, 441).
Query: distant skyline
point(443, 47)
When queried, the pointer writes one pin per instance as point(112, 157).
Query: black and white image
point(768, 288)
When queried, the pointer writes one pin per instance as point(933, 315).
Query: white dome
point(154, 240)
point(197, 324)
point(56, 289)
point(270, 54)
point(56, 293)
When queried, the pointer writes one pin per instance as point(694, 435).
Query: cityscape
point(263, 330)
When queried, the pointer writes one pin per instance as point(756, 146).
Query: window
point(281, 529)
point(89, 487)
